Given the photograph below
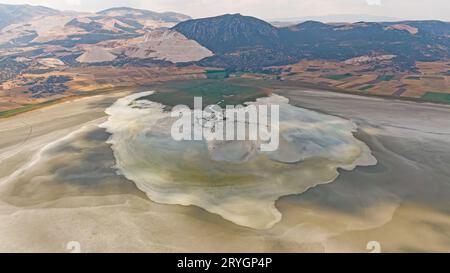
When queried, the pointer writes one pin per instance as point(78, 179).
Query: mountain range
point(332, 18)
point(24, 25)
point(119, 36)
point(245, 42)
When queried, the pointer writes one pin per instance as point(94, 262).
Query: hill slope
point(10, 14)
point(125, 12)
point(30, 25)
point(242, 42)
point(230, 32)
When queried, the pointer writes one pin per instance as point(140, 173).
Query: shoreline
point(277, 85)
point(32, 107)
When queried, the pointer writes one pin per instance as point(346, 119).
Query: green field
point(367, 87)
point(413, 78)
point(25, 108)
point(339, 77)
point(386, 78)
point(437, 97)
point(29, 107)
point(221, 92)
point(217, 74)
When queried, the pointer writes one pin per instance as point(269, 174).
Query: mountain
point(430, 27)
point(242, 42)
point(239, 42)
point(333, 18)
point(34, 25)
point(121, 36)
point(314, 40)
point(10, 14)
point(122, 13)
point(37, 43)
point(34, 38)
point(229, 32)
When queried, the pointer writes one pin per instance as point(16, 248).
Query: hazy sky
point(266, 9)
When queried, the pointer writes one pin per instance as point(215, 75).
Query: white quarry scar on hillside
point(168, 45)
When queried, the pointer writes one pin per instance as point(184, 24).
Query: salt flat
point(58, 184)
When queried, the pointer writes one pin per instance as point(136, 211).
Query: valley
point(123, 47)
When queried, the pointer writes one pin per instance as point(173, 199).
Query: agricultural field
point(375, 78)
point(338, 77)
point(31, 91)
point(437, 97)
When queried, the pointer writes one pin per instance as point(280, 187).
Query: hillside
point(37, 25)
point(239, 42)
point(243, 42)
point(314, 40)
point(227, 33)
point(123, 13)
point(10, 14)
point(32, 34)
point(406, 58)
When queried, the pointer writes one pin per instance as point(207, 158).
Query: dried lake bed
point(59, 182)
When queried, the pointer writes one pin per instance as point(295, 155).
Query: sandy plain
point(58, 184)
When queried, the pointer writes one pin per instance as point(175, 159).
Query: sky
point(266, 9)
